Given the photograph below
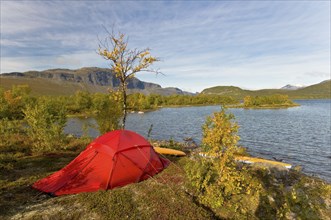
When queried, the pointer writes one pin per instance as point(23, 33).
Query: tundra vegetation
point(272, 101)
point(33, 145)
point(239, 191)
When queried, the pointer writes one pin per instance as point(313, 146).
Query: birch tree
point(125, 62)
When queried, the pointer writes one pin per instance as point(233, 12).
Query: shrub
point(13, 101)
point(219, 183)
point(220, 134)
point(46, 120)
point(272, 100)
point(80, 102)
point(108, 112)
point(9, 130)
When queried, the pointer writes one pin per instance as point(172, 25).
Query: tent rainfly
point(112, 160)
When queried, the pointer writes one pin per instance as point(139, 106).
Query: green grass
point(161, 197)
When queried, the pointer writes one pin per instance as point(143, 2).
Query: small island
point(273, 101)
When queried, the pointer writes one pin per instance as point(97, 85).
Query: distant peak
point(293, 87)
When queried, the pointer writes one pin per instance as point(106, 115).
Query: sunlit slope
point(41, 86)
point(318, 91)
point(239, 93)
point(67, 82)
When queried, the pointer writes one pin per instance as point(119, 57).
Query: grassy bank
point(161, 197)
point(169, 195)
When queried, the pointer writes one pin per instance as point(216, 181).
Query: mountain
point(233, 91)
point(318, 91)
point(292, 87)
point(66, 81)
point(237, 92)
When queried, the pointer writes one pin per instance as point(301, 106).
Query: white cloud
point(249, 44)
point(23, 16)
point(72, 61)
point(318, 74)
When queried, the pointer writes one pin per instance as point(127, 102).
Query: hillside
point(318, 91)
point(93, 79)
point(66, 82)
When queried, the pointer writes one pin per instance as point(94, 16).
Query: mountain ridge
point(92, 79)
point(320, 90)
point(292, 87)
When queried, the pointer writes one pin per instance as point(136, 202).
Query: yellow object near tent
point(251, 160)
point(162, 150)
point(243, 159)
point(260, 160)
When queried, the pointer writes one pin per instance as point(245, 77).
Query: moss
point(155, 198)
point(115, 204)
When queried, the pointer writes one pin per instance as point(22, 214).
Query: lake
point(299, 135)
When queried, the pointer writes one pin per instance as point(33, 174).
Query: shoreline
point(226, 106)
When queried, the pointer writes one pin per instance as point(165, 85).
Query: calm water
point(300, 135)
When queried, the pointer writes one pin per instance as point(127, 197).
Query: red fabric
point(114, 159)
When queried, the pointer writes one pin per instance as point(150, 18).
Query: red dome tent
point(114, 159)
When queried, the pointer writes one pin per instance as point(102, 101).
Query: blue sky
point(250, 44)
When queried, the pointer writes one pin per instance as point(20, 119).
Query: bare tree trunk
point(124, 105)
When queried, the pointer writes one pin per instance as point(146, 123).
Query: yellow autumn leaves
point(220, 132)
point(124, 62)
